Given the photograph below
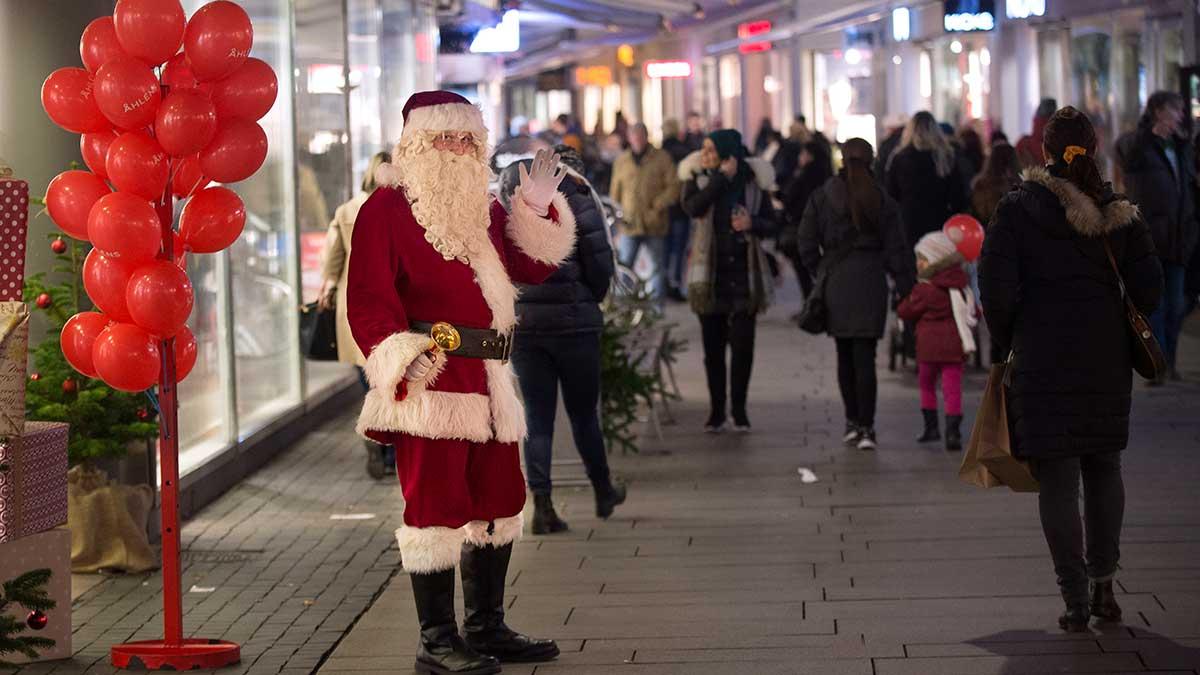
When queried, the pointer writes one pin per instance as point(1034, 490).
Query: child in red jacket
point(942, 306)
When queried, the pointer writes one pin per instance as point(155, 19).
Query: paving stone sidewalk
point(721, 562)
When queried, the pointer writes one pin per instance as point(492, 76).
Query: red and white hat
point(442, 111)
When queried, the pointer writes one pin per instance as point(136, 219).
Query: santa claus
point(430, 246)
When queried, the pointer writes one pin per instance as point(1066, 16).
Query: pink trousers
point(951, 373)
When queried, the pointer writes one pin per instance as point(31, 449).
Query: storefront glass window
point(844, 87)
point(731, 91)
point(364, 23)
point(1091, 77)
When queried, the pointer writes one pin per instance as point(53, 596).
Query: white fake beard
point(450, 199)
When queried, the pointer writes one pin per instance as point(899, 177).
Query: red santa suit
point(456, 430)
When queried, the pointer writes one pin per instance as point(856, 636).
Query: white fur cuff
point(424, 550)
point(538, 236)
point(389, 359)
point(504, 531)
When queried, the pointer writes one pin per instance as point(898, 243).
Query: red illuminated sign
point(754, 47)
point(753, 28)
point(666, 70)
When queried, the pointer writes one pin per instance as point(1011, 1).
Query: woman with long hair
point(851, 233)
point(924, 178)
point(1052, 300)
point(1001, 173)
point(813, 171)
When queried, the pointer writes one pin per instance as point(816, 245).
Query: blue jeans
point(389, 452)
point(627, 252)
point(543, 362)
point(1167, 320)
point(677, 250)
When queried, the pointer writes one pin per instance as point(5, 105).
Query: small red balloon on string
point(70, 385)
point(58, 246)
point(37, 619)
point(44, 300)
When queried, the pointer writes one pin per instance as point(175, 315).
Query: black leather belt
point(477, 343)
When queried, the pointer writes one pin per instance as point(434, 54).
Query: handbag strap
point(1116, 270)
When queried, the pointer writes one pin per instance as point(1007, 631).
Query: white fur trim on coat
point(539, 237)
point(504, 531)
point(507, 412)
point(428, 414)
point(389, 359)
point(424, 550)
point(445, 117)
point(764, 173)
point(1083, 214)
point(497, 287)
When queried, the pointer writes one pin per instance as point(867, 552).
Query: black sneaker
point(852, 436)
point(715, 424)
point(741, 423)
point(866, 439)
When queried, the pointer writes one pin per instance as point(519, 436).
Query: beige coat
point(337, 269)
point(645, 191)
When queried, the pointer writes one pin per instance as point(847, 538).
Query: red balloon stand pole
point(173, 652)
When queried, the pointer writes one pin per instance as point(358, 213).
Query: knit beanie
point(935, 247)
point(728, 142)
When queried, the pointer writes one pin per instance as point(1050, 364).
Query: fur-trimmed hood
point(1083, 214)
point(764, 173)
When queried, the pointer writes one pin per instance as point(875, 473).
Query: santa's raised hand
point(541, 181)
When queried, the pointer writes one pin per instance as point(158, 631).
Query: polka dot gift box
point(14, 225)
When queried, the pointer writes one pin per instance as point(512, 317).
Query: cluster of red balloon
point(153, 136)
point(967, 235)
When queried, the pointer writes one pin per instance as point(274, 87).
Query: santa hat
point(935, 247)
point(439, 111)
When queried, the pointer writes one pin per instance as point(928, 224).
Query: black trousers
point(856, 379)
point(1103, 512)
point(735, 332)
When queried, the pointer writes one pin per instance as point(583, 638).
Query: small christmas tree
point(29, 591)
point(103, 420)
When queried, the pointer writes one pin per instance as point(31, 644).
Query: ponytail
point(1070, 140)
point(1084, 173)
point(865, 197)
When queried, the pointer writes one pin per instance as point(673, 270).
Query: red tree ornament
point(70, 385)
point(58, 246)
point(35, 376)
point(37, 619)
point(44, 300)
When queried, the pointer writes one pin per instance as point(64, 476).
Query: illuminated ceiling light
point(956, 47)
point(901, 24)
point(985, 57)
point(897, 60)
point(853, 57)
point(503, 37)
point(612, 28)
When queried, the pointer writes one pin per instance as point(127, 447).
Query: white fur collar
point(764, 173)
point(1083, 214)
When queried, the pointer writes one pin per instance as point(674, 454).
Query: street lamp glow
point(897, 60)
point(956, 47)
point(853, 56)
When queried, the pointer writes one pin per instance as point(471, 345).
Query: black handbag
point(814, 318)
point(318, 333)
point(1148, 359)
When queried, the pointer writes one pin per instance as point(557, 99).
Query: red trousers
point(455, 492)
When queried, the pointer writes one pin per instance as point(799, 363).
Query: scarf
point(962, 302)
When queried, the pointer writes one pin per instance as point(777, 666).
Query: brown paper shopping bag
point(989, 461)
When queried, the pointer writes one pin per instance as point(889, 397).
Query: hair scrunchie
point(1072, 152)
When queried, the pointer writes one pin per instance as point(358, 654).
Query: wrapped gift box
point(33, 486)
point(50, 550)
point(14, 353)
point(14, 226)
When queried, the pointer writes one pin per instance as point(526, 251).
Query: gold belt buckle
point(445, 337)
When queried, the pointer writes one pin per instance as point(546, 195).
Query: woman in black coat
point(728, 280)
point(1050, 296)
point(925, 177)
point(852, 228)
point(814, 170)
point(557, 342)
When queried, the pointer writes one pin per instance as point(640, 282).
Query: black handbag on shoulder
point(1148, 358)
point(318, 333)
point(814, 318)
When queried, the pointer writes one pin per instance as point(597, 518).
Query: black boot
point(609, 496)
point(483, 575)
point(931, 427)
point(1103, 604)
point(953, 432)
point(442, 650)
point(545, 520)
point(376, 467)
point(1075, 619)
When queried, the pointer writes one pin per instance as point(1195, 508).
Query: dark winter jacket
point(1163, 193)
point(929, 307)
point(926, 199)
point(1049, 293)
point(1029, 148)
point(856, 289)
point(568, 302)
point(795, 198)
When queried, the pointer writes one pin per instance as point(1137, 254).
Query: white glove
point(540, 182)
point(419, 368)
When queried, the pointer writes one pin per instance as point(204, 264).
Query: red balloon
point(160, 297)
point(94, 148)
point(70, 198)
point(151, 30)
point(126, 358)
point(212, 220)
point(967, 235)
point(186, 352)
point(137, 165)
point(98, 45)
point(237, 151)
point(79, 337)
point(127, 92)
point(185, 123)
point(248, 93)
point(177, 74)
point(217, 40)
point(68, 98)
point(125, 226)
point(105, 280)
point(188, 178)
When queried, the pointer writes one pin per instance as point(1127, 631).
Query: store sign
point(593, 76)
point(666, 70)
point(754, 47)
point(502, 38)
point(753, 29)
point(969, 15)
point(1023, 9)
point(901, 24)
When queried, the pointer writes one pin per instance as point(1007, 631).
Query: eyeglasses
point(452, 138)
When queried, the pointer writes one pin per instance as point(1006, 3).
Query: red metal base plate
point(193, 654)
